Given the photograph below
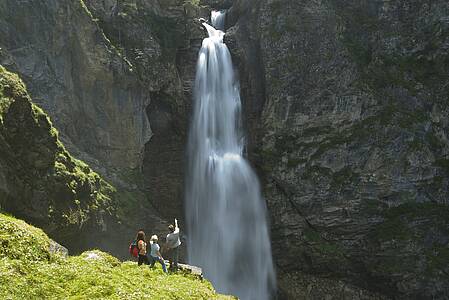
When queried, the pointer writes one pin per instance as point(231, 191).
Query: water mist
point(226, 214)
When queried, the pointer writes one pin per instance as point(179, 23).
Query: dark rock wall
point(79, 77)
point(161, 39)
point(104, 71)
point(352, 139)
point(95, 67)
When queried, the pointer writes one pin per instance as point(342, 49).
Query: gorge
point(345, 106)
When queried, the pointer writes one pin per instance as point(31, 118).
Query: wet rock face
point(79, 77)
point(350, 137)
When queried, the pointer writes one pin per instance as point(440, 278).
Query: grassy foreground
point(29, 271)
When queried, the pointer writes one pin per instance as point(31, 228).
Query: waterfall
point(226, 214)
point(218, 19)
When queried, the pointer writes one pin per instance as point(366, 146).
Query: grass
point(18, 240)
point(103, 277)
point(29, 271)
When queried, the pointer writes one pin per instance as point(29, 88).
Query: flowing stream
point(226, 214)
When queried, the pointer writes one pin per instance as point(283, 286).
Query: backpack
point(134, 249)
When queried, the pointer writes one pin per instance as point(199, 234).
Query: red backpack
point(134, 249)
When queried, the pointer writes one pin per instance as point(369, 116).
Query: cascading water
point(226, 215)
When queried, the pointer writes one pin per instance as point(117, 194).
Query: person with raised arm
point(172, 243)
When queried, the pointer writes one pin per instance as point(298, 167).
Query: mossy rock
point(46, 185)
point(19, 240)
point(29, 271)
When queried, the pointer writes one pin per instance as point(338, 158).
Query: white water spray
point(226, 215)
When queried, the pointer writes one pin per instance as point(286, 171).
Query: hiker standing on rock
point(142, 246)
point(172, 243)
point(155, 254)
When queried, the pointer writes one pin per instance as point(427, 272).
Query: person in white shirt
point(155, 254)
point(172, 243)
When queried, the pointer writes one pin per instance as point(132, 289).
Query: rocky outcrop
point(39, 179)
point(347, 109)
point(80, 78)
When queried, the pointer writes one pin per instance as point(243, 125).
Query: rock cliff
point(103, 70)
point(347, 107)
point(40, 180)
point(79, 77)
point(346, 111)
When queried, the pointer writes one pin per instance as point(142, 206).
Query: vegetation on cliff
point(39, 179)
point(29, 270)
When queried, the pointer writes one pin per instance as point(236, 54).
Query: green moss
point(319, 245)
point(409, 119)
point(315, 173)
point(89, 191)
point(128, 203)
point(18, 240)
point(359, 22)
point(26, 272)
point(437, 258)
point(391, 265)
point(343, 177)
point(4, 105)
point(70, 193)
point(414, 210)
point(8, 81)
point(11, 84)
point(393, 229)
point(311, 235)
point(398, 224)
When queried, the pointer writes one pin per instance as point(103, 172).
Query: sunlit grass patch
point(29, 271)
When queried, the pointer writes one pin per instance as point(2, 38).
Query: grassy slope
point(29, 271)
